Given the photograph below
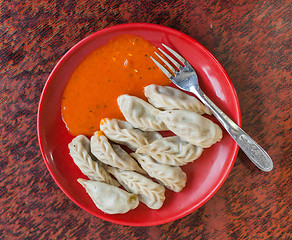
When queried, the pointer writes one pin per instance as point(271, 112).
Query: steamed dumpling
point(166, 98)
point(172, 151)
point(140, 114)
point(172, 177)
point(80, 152)
point(192, 127)
point(150, 193)
point(109, 199)
point(124, 133)
point(112, 154)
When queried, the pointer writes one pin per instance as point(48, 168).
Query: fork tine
point(163, 69)
point(175, 63)
point(179, 57)
point(166, 63)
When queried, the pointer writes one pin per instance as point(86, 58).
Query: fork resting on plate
point(185, 77)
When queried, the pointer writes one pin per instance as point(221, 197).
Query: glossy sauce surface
point(122, 66)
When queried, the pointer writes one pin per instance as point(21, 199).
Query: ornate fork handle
point(254, 152)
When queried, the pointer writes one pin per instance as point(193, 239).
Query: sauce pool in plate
point(122, 66)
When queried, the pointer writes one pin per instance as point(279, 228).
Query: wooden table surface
point(251, 39)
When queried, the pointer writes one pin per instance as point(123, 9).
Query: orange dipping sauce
point(122, 66)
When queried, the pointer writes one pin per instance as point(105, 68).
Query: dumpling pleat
point(172, 151)
point(123, 132)
point(172, 177)
point(150, 193)
point(140, 114)
point(166, 98)
point(80, 152)
point(112, 154)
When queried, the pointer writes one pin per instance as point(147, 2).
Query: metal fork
point(185, 77)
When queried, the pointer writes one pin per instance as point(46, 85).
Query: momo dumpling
point(150, 193)
point(80, 152)
point(112, 154)
point(123, 132)
point(172, 177)
point(109, 199)
point(192, 127)
point(167, 98)
point(172, 151)
point(140, 114)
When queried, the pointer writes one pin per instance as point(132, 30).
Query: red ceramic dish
point(205, 175)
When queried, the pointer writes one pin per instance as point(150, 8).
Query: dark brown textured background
point(251, 39)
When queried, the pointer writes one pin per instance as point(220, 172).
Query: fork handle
point(254, 151)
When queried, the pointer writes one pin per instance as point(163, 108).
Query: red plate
point(205, 175)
